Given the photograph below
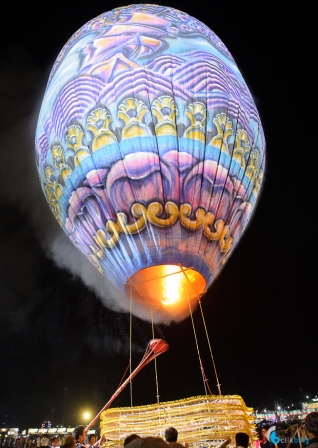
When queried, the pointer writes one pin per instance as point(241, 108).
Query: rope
point(292, 438)
point(208, 339)
point(123, 376)
point(156, 373)
point(154, 348)
point(130, 342)
point(205, 380)
point(153, 337)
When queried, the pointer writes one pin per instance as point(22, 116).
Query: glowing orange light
point(172, 284)
point(166, 286)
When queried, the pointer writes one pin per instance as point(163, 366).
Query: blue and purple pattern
point(149, 145)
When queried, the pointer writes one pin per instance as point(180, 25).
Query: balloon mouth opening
point(172, 287)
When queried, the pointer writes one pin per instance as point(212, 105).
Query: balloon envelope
point(150, 152)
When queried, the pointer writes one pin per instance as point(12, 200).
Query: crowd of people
point(80, 439)
point(310, 427)
point(77, 440)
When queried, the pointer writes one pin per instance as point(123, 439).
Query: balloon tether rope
point(205, 380)
point(130, 344)
point(156, 373)
point(120, 383)
point(208, 339)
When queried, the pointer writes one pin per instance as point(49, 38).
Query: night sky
point(62, 351)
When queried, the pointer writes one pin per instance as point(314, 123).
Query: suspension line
point(205, 381)
point(130, 345)
point(156, 374)
point(208, 339)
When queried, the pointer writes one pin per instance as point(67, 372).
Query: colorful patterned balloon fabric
point(149, 146)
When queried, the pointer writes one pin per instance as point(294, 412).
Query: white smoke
point(19, 185)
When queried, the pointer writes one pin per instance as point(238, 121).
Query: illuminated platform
point(201, 421)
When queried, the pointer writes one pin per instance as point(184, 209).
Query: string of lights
point(207, 420)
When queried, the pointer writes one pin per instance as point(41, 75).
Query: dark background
point(62, 351)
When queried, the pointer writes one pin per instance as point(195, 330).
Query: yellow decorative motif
point(102, 241)
point(53, 192)
point(258, 183)
point(221, 233)
point(226, 256)
point(98, 123)
point(132, 111)
point(52, 183)
point(95, 261)
point(242, 146)
point(53, 203)
point(196, 113)
point(164, 109)
point(224, 131)
point(59, 162)
point(74, 139)
point(185, 212)
point(253, 165)
point(120, 226)
point(138, 211)
point(155, 210)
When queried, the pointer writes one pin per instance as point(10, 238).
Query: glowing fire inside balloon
point(172, 285)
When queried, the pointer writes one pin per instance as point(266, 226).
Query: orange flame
point(172, 285)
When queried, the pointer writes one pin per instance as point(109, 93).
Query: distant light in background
point(86, 416)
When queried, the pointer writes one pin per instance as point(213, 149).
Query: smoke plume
point(20, 188)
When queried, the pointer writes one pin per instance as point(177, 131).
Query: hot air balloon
point(150, 152)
